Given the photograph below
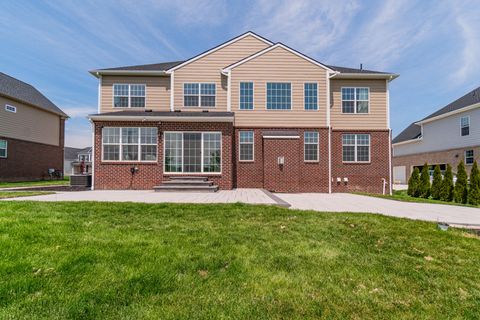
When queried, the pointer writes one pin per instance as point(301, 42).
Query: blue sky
point(433, 45)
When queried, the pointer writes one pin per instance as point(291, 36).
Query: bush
point(446, 194)
point(424, 185)
point(437, 183)
point(413, 182)
point(474, 186)
point(460, 192)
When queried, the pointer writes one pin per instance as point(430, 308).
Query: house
point(447, 136)
point(77, 161)
point(31, 133)
point(247, 113)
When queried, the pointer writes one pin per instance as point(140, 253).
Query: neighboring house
point(31, 132)
point(447, 136)
point(249, 114)
point(77, 161)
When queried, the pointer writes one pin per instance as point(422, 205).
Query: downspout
point(229, 91)
point(331, 75)
point(390, 183)
point(93, 155)
point(172, 93)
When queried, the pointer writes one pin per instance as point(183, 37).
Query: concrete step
point(189, 178)
point(186, 188)
point(178, 182)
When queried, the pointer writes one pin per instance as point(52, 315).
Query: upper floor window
point(246, 95)
point(310, 96)
point(465, 126)
point(356, 147)
point(10, 108)
point(279, 96)
point(3, 148)
point(311, 146)
point(129, 144)
point(355, 100)
point(469, 157)
point(246, 145)
point(199, 94)
point(84, 157)
point(129, 95)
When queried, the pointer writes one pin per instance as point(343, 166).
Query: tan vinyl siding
point(279, 65)
point(208, 69)
point(29, 123)
point(377, 116)
point(157, 92)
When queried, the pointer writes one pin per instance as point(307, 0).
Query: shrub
point(437, 183)
point(446, 194)
point(474, 186)
point(413, 182)
point(460, 192)
point(424, 185)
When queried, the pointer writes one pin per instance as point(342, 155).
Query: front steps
point(186, 184)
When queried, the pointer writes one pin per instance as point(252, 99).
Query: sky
point(433, 44)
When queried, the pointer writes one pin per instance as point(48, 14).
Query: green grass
point(17, 194)
point(401, 195)
point(61, 182)
point(91, 260)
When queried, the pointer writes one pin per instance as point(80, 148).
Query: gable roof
point(277, 45)
point(26, 93)
point(70, 153)
point(412, 132)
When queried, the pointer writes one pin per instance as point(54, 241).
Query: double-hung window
point(310, 93)
point(469, 159)
point(129, 95)
point(279, 96)
point(129, 144)
point(311, 146)
point(246, 145)
point(355, 100)
point(199, 94)
point(356, 147)
point(246, 95)
point(465, 126)
point(3, 148)
point(191, 152)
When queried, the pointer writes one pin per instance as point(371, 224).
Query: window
point(84, 157)
point(191, 152)
point(199, 94)
point(465, 126)
point(279, 96)
point(311, 146)
point(356, 147)
point(129, 95)
point(310, 93)
point(469, 157)
point(129, 144)
point(355, 100)
point(246, 145)
point(10, 108)
point(3, 148)
point(246, 95)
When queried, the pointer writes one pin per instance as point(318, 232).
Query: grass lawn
point(65, 181)
point(91, 260)
point(16, 194)
point(401, 195)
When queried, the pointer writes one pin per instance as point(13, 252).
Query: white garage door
point(399, 175)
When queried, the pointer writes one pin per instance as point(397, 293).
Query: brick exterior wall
point(117, 175)
point(362, 177)
point(31, 160)
point(451, 156)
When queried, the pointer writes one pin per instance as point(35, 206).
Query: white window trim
point(253, 146)
point(253, 94)
point(10, 108)
point(473, 157)
point(201, 163)
point(461, 126)
point(355, 101)
point(318, 95)
point(199, 95)
point(129, 95)
point(120, 144)
point(356, 145)
point(6, 149)
point(318, 147)
point(291, 96)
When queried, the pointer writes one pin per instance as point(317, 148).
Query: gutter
point(99, 73)
point(448, 114)
point(159, 118)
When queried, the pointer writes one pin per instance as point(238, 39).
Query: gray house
point(447, 136)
